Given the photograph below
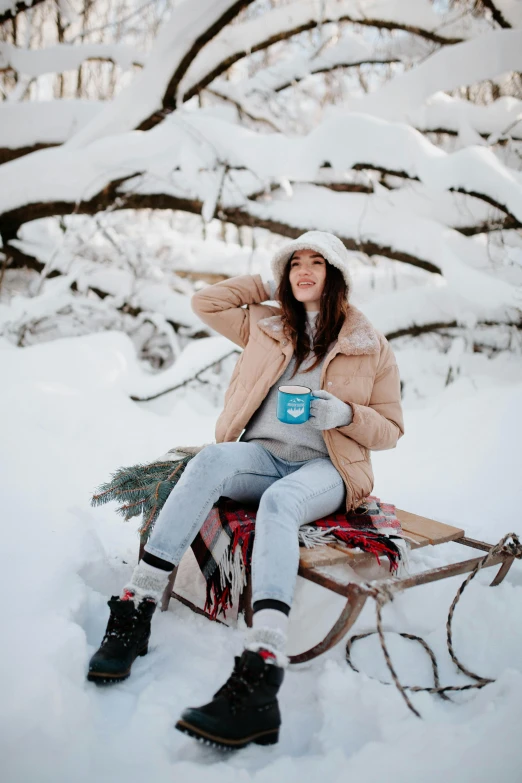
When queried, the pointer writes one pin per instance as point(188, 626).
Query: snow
point(10, 5)
point(145, 95)
point(65, 57)
point(370, 219)
point(511, 10)
point(197, 356)
point(349, 50)
point(69, 419)
point(45, 122)
point(449, 113)
point(485, 57)
point(250, 35)
point(147, 295)
point(191, 143)
point(70, 423)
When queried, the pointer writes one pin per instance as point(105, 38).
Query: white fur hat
point(328, 245)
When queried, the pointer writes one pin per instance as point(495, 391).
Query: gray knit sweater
point(293, 442)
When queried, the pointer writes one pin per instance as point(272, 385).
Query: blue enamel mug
point(293, 404)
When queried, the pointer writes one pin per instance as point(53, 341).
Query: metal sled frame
point(420, 532)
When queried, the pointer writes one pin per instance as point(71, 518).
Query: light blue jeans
point(290, 494)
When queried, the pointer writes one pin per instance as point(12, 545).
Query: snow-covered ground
point(68, 422)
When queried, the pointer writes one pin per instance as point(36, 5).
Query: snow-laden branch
point(347, 141)
point(24, 125)
point(414, 311)
point(496, 13)
point(422, 309)
point(445, 114)
point(65, 57)
point(190, 27)
point(9, 9)
point(138, 295)
point(178, 160)
point(367, 219)
point(188, 144)
point(367, 224)
point(465, 63)
point(286, 21)
point(508, 12)
point(198, 356)
point(349, 52)
point(27, 123)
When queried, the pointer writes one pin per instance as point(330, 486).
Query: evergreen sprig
point(141, 489)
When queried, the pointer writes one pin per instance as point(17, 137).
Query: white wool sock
point(271, 618)
point(147, 582)
point(269, 632)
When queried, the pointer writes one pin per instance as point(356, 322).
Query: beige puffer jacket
point(359, 369)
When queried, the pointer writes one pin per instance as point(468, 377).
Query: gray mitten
point(329, 411)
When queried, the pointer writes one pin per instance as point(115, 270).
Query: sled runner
point(315, 562)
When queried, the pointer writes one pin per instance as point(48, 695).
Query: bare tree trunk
point(87, 4)
point(60, 27)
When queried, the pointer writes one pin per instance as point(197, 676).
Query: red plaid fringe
point(223, 547)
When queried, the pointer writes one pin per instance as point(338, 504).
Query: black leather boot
point(126, 637)
point(244, 710)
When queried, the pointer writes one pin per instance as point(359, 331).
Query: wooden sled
point(419, 531)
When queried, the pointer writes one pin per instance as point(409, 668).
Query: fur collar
point(357, 335)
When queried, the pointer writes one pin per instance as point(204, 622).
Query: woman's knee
point(216, 459)
point(281, 501)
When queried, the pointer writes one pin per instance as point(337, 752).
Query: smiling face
point(307, 277)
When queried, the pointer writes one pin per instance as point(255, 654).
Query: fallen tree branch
point(495, 13)
point(236, 39)
point(437, 327)
point(488, 226)
point(170, 100)
point(10, 222)
point(194, 377)
point(412, 331)
point(7, 153)
point(329, 68)
point(17, 259)
point(11, 153)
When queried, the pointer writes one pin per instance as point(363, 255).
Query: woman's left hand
point(329, 411)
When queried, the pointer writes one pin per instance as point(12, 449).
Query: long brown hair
point(333, 309)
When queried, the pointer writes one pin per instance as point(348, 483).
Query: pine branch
point(154, 481)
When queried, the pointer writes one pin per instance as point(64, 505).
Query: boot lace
point(119, 629)
point(239, 686)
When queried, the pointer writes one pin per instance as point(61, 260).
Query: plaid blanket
point(223, 547)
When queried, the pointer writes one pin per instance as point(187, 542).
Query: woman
point(298, 473)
